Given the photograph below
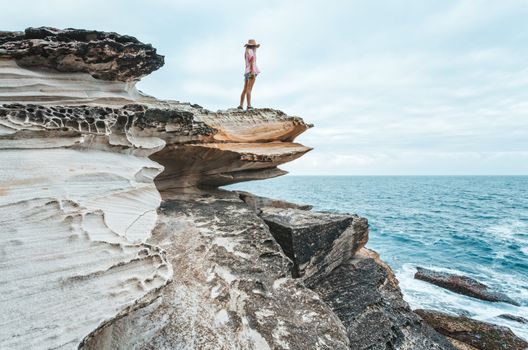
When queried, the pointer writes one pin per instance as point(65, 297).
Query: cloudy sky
point(393, 87)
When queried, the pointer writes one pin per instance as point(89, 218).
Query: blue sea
point(471, 225)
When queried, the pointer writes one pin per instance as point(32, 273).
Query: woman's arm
point(251, 63)
point(251, 70)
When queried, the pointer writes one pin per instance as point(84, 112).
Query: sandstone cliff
point(115, 236)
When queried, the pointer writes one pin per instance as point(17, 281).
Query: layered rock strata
point(114, 235)
point(107, 56)
point(192, 152)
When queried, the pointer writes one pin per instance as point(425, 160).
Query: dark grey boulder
point(511, 317)
point(317, 242)
point(481, 335)
point(462, 285)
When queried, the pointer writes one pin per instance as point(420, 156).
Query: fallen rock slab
point(317, 242)
point(258, 202)
point(481, 335)
point(462, 285)
point(514, 318)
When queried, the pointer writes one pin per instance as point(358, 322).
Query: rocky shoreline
point(467, 333)
point(116, 235)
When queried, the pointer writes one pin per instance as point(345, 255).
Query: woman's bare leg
point(250, 84)
point(243, 94)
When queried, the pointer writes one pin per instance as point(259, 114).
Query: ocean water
point(471, 225)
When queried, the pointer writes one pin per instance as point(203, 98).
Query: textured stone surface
point(218, 164)
point(481, 335)
point(77, 191)
point(177, 138)
point(107, 56)
point(80, 206)
point(231, 288)
point(79, 201)
point(462, 285)
point(364, 294)
point(460, 345)
point(49, 87)
point(72, 243)
point(326, 249)
point(316, 242)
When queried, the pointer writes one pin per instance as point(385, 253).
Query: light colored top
point(250, 56)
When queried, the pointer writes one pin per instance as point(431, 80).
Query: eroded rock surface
point(462, 285)
point(72, 242)
point(103, 55)
point(231, 287)
point(177, 138)
point(481, 335)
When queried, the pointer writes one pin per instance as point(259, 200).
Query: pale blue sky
point(393, 87)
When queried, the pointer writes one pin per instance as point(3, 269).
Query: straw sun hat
point(252, 42)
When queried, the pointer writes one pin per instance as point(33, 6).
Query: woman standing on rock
point(250, 73)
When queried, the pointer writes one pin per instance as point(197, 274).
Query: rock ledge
point(107, 56)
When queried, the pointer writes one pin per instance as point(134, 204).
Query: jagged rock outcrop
point(327, 251)
point(114, 236)
point(462, 285)
point(107, 56)
point(180, 139)
point(476, 334)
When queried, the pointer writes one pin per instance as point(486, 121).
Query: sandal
point(240, 107)
point(249, 108)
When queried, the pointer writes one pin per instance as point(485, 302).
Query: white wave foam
point(511, 230)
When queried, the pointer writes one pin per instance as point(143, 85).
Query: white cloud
point(398, 163)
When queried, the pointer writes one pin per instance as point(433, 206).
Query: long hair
point(254, 48)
